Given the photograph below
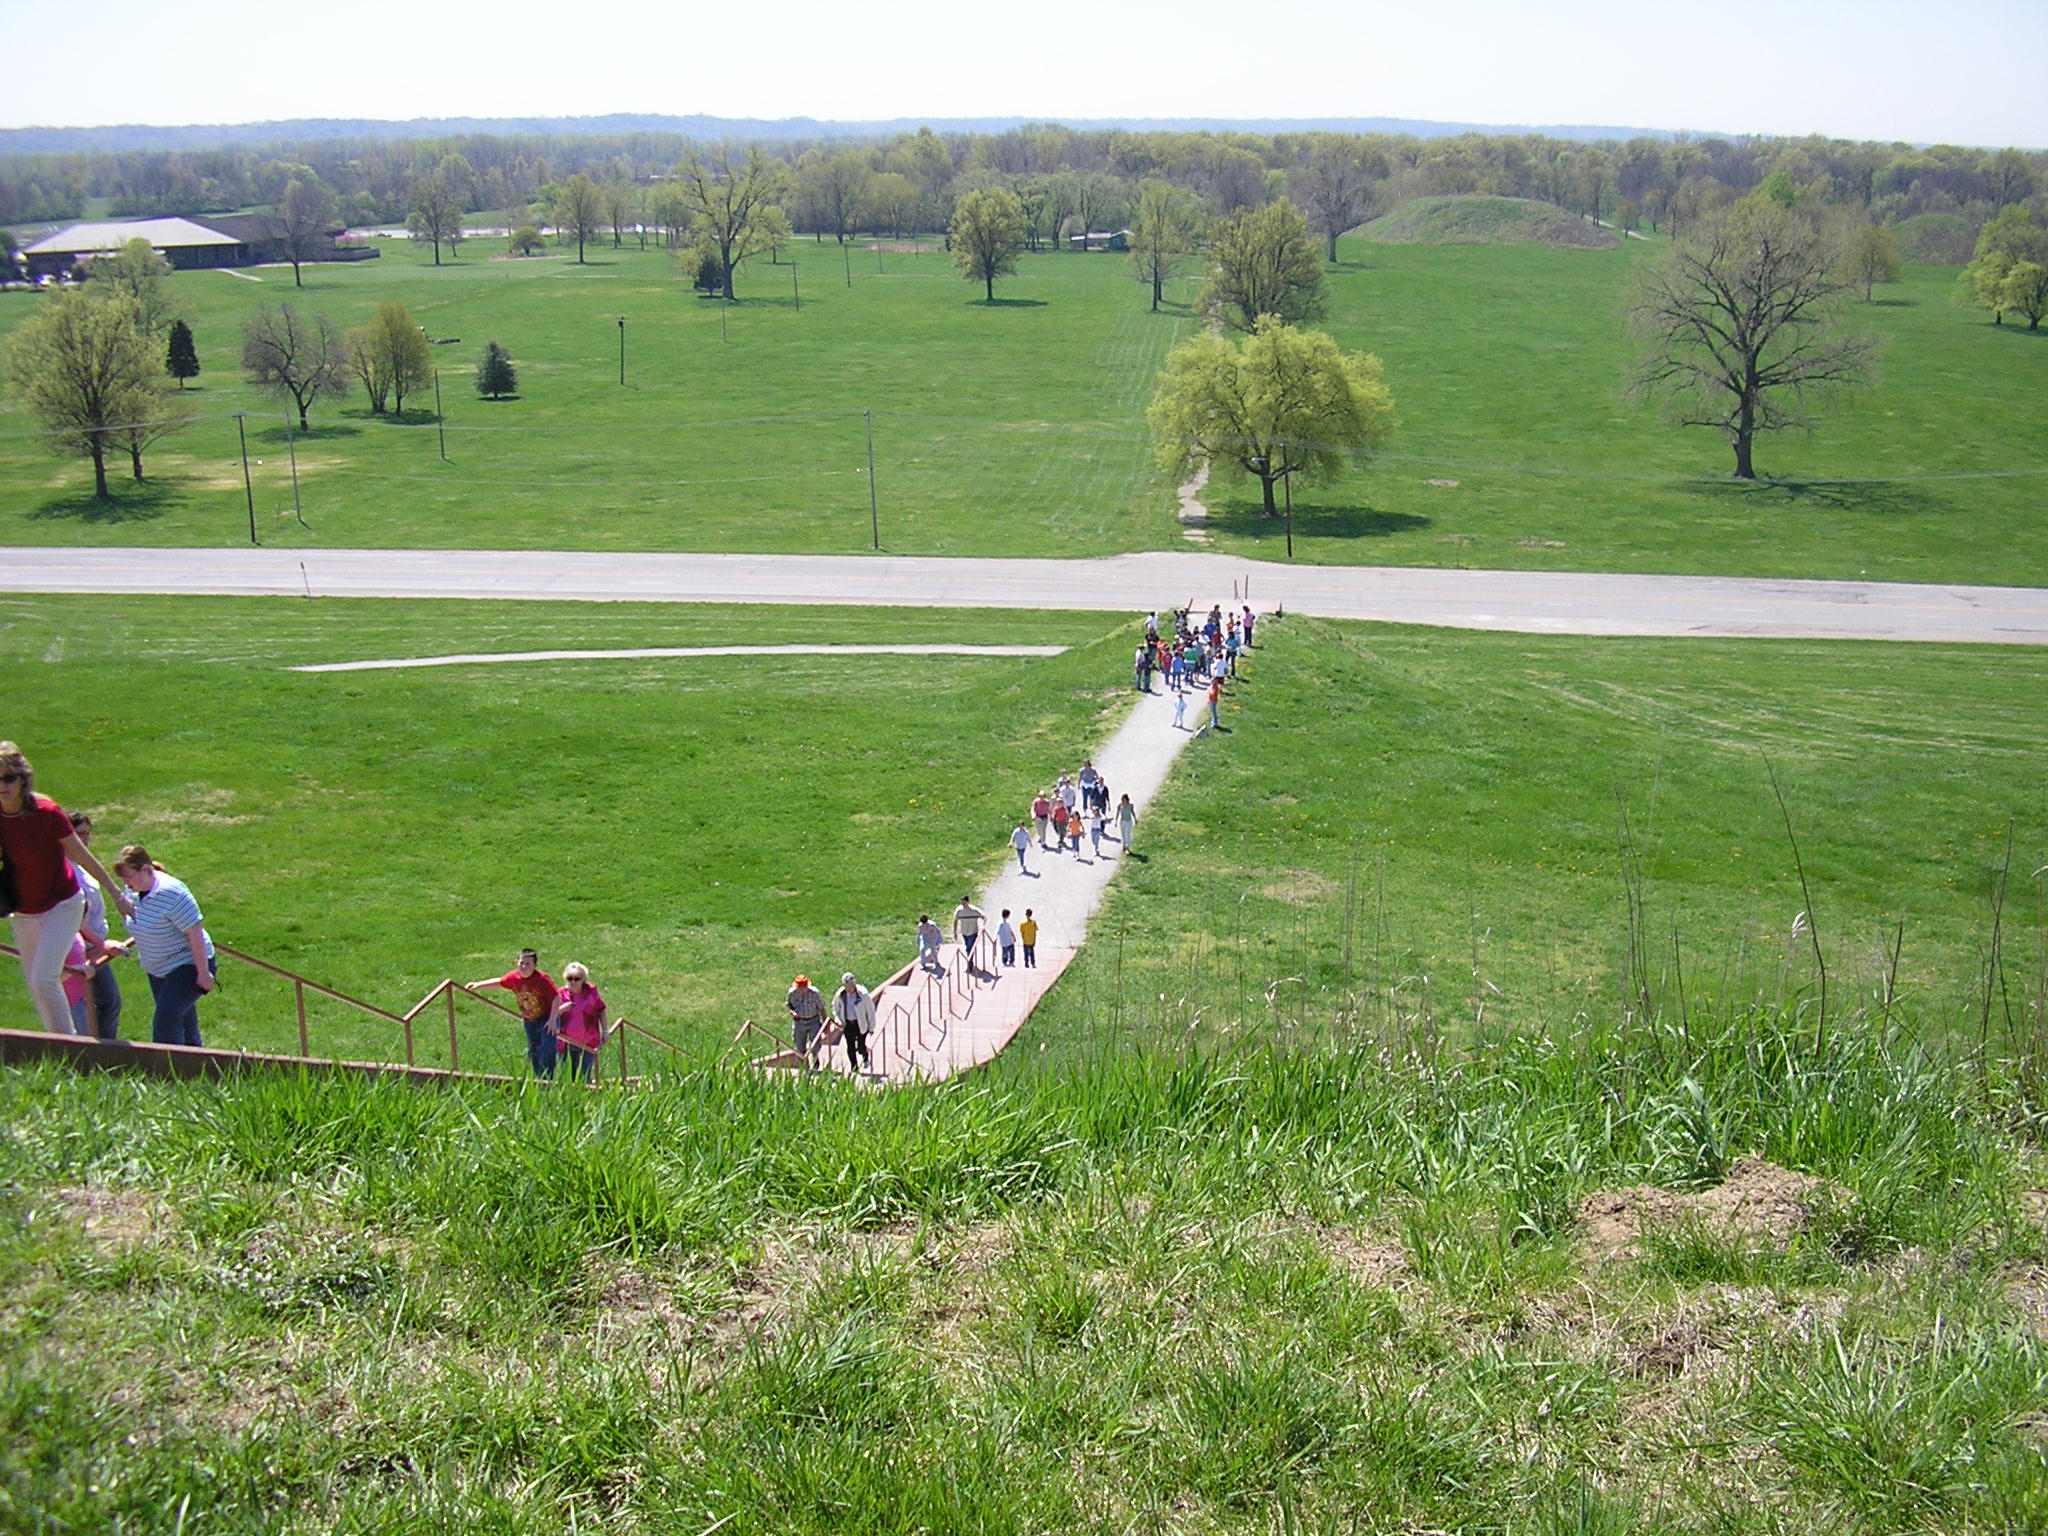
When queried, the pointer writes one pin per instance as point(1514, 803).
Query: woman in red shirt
point(37, 850)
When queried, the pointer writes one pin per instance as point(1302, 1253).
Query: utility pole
point(440, 423)
point(721, 319)
point(874, 506)
point(846, 251)
point(793, 288)
point(622, 351)
point(248, 486)
point(291, 443)
point(1287, 479)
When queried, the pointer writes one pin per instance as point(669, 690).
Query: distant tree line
point(1066, 180)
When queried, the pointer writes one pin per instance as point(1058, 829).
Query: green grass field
point(1403, 820)
point(1019, 429)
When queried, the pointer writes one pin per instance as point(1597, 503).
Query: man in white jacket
point(854, 1007)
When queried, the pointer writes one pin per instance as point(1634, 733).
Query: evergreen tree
point(182, 361)
point(495, 375)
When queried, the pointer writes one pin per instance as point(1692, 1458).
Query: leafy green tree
point(526, 240)
point(1739, 324)
point(2007, 240)
point(137, 273)
point(1873, 257)
point(308, 212)
point(727, 191)
point(987, 235)
point(391, 356)
point(85, 368)
point(1262, 262)
point(1278, 403)
point(295, 357)
point(1162, 234)
point(496, 377)
point(835, 188)
point(181, 358)
point(579, 210)
point(2026, 291)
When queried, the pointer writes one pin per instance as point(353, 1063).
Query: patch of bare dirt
point(1369, 1258)
point(1759, 1202)
point(114, 1218)
point(1300, 888)
point(2034, 1206)
point(2026, 1286)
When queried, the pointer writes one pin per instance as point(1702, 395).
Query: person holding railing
point(171, 942)
point(535, 991)
point(577, 1020)
point(40, 857)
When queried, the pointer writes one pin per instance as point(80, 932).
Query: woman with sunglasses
point(577, 1020)
point(41, 856)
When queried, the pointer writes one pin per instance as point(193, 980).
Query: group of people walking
point(55, 893)
point(1195, 657)
point(1072, 806)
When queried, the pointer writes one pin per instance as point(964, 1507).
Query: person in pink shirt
point(78, 987)
point(577, 1020)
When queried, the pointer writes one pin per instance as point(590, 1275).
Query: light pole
point(874, 506)
point(793, 287)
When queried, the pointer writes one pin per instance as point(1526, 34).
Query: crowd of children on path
point(56, 894)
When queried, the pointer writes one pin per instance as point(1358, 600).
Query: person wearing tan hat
point(807, 1018)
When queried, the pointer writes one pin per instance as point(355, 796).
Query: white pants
point(44, 940)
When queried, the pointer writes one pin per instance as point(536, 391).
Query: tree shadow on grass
point(312, 434)
point(1874, 498)
point(1247, 520)
point(1007, 303)
point(127, 502)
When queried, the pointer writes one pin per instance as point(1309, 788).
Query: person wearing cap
point(854, 1007)
point(806, 1017)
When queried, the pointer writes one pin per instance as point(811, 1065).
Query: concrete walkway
point(930, 1029)
point(1538, 602)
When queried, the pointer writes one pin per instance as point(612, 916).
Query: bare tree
point(294, 357)
point(1739, 324)
point(1335, 189)
point(308, 213)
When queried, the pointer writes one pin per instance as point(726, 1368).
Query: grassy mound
point(1938, 239)
point(1487, 221)
point(1346, 1283)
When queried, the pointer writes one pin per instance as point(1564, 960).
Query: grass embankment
point(1172, 1291)
point(1019, 429)
point(1486, 221)
point(694, 830)
point(1440, 825)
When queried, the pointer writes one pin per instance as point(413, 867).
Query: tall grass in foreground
point(1201, 1287)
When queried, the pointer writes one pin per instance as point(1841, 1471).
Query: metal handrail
point(447, 988)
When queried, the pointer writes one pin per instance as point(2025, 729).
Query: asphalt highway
point(1535, 602)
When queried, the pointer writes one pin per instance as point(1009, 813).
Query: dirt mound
point(1758, 1202)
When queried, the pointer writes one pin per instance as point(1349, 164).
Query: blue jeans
point(106, 999)
point(541, 1049)
point(177, 1004)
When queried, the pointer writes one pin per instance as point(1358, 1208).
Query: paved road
point(1537, 602)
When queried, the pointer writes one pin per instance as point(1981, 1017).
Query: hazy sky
point(1875, 69)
